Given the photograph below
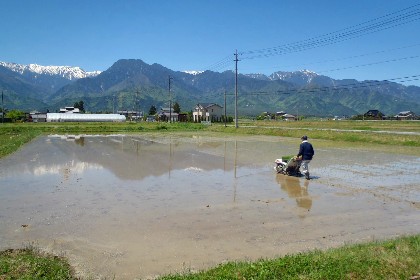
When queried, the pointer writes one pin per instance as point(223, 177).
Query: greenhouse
point(60, 117)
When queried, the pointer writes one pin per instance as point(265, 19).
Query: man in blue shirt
point(306, 151)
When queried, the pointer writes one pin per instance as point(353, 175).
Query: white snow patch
point(193, 72)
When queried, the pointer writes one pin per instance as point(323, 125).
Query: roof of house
point(69, 110)
point(207, 105)
point(39, 116)
point(127, 112)
point(373, 112)
point(405, 113)
point(167, 110)
point(173, 114)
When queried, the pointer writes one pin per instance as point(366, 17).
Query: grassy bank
point(391, 259)
point(29, 263)
point(375, 132)
point(327, 134)
point(13, 137)
point(413, 126)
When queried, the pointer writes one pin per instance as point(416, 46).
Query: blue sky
point(200, 35)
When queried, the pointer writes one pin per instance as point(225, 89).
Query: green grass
point(13, 137)
point(32, 264)
point(346, 131)
point(392, 259)
point(413, 126)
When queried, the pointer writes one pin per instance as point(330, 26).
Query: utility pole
point(170, 100)
point(2, 108)
point(113, 104)
point(137, 105)
point(236, 88)
point(225, 108)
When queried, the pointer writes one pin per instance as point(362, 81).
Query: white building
point(207, 112)
point(406, 115)
point(60, 117)
point(168, 114)
point(36, 116)
point(69, 110)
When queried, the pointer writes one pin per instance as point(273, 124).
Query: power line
point(356, 85)
point(220, 64)
point(339, 36)
point(347, 58)
point(387, 21)
point(370, 64)
point(347, 28)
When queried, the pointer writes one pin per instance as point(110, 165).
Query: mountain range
point(131, 84)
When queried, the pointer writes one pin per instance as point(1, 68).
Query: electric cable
point(335, 37)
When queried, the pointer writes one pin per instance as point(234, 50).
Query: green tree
point(80, 106)
point(152, 110)
point(177, 108)
point(15, 115)
point(190, 116)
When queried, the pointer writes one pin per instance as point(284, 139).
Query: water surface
point(142, 205)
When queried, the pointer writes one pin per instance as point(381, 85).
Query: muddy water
point(138, 206)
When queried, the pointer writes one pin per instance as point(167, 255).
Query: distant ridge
point(67, 72)
point(131, 83)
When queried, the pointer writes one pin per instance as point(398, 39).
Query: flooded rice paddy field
point(138, 206)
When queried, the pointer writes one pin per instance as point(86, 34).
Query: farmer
point(306, 151)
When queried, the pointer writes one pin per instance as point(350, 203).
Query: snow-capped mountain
point(302, 77)
point(193, 72)
point(66, 72)
point(258, 76)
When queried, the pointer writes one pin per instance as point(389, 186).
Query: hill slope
point(133, 84)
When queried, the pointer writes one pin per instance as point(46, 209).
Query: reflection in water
point(80, 141)
point(134, 158)
point(294, 189)
point(76, 167)
point(138, 157)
